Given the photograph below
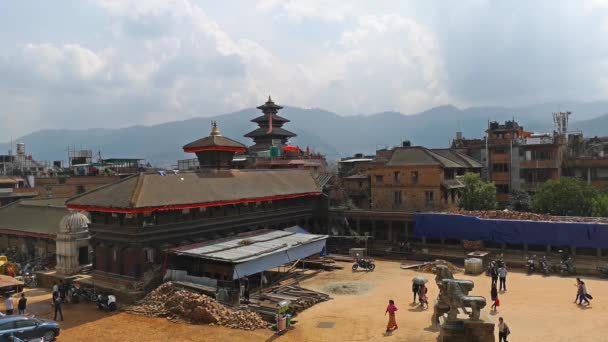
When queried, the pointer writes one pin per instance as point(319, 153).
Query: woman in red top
point(390, 309)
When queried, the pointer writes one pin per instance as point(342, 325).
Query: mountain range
point(323, 131)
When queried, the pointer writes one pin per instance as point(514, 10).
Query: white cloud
point(161, 60)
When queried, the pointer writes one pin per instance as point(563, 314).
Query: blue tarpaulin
point(462, 227)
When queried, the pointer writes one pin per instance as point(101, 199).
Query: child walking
point(496, 304)
point(392, 323)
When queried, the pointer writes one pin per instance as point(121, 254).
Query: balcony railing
point(539, 164)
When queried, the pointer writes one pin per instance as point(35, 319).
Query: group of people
point(21, 305)
point(499, 277)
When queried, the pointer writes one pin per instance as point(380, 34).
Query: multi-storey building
point(414, 179)
point(513, 158)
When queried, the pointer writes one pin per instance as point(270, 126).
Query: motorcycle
point(531, 263)
point(566, 267)
point(603, 270)
point(106, 302)
point(366, 264)
point(30, 280)
point(544, 266)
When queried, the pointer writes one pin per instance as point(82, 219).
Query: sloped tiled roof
point(33, 216)
point(213, 141)
point(418, 155)
point(458, 157)
point(153, 191)
point(276, 131)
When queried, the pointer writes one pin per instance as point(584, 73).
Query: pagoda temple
point(270, 133)
point(215, 151)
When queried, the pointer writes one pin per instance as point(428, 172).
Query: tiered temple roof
point(270, 128)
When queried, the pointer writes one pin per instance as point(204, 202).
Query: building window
point(80, 189)
point(396, 177)
point(502, 189)
point(397, 200)
point(149, 253)
point(429, 197)
point(501, 167)
point(379, 179)
point(414, 176)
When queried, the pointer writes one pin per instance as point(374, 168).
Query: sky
point(116, 63)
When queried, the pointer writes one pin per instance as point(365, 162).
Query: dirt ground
point(536, 308)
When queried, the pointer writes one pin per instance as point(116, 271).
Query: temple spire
point(214, 130)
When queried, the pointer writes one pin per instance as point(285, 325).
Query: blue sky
point(114, 63)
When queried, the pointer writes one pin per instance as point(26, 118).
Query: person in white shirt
point(8, 305)
point(503, 330)
point(502, 275)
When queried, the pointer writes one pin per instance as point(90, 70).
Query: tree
point(477, 194)
point(600, 205)
point(565, 197)
point(520, 200)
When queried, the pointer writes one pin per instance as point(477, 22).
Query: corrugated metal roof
point(249, 246)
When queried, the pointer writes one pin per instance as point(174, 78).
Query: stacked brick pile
point(516, 215)
point(182, 305)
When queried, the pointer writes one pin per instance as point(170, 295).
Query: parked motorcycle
point(544, 266)
point(531, 263)
point(366, 264)
point(106, 302)
point(603, 270)
point(30, 280)
point(566, 267)
point(85, 293)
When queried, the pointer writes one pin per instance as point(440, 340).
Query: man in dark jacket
point(415, 289)
point(22, 304)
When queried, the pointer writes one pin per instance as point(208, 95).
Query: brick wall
point(413, 192)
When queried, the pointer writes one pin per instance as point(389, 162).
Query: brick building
point(418, 179)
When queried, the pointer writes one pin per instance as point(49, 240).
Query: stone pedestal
point(464, 330)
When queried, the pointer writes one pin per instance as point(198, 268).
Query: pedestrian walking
point(495, 304)
point(55, 290)
point(494, 292)
point(8, 305)
point(415, 289)
point(22, 304)
point(494, 274)
point(502, 274)
point(503, 330)
point(57, 303)
point(581, 293)
point(62, 290)
point(392, 323)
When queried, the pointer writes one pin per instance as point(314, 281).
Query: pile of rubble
point(429, 266)
point(178, 304)
point(517, 215)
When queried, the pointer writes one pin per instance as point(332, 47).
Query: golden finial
point(214, 130)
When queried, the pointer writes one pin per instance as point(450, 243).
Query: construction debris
point(322, 263)
point(517, 215)
point(178, 304)
point(429, 266)
point(300, 299)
